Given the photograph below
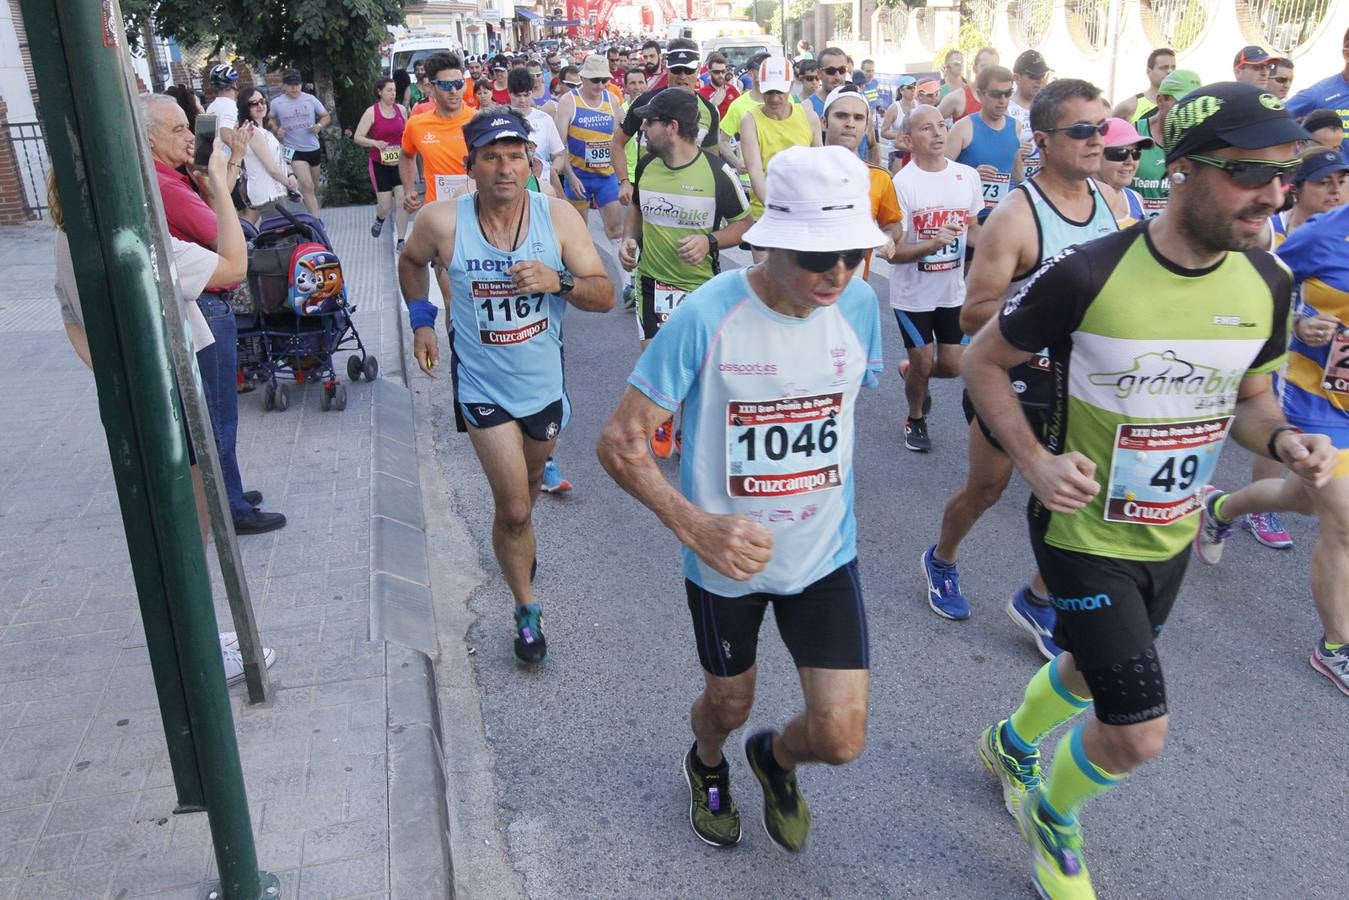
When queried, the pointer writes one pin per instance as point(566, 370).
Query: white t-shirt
point(930, 200)
point(543, 132)
point(225, 110)
point(261, 186)
point(1025, 135)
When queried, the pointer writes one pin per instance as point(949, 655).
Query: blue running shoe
point(1036, 619)
point(943, 588)
point(553, 482)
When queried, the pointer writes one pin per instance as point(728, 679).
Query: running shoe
point(376, 227)
point(1058, 870)
point(553, 482)
point(943, 588)
point(1017, 774)
point(662, 442)
point(1267, 529)
point(712, 812)
point(530, 644)
point(915, 435)
point(786, 817)
point(234, 659)
point(1036, 619)
point(1334, 664)
point(1208, 541)
point(630, 297)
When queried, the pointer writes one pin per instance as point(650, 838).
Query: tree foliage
point(337, 41)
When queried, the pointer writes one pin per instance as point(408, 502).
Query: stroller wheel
point(354, 368)
point(326, 399)
point(269, 396)
point(282, 397)
point(371, 368)
point(340, 397)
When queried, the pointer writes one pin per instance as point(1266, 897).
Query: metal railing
point(1030, 19)
point(1284, 25)
point(1175, 23)
point(1089, 22)
point(30, 162)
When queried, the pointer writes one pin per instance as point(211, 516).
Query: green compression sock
point(1073, 779)
point(1048, 705)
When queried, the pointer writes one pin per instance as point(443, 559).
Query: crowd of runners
point(1120, 284)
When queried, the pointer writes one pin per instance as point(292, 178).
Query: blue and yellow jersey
point(589, 134)
point(1316, 382)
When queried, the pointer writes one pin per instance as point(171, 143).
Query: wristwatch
point(711, 243)
point(566, 284)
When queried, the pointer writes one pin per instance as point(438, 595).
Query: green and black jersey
point(698, 198)
point(1147, 358)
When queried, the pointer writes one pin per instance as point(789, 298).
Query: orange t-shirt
point(884, 204)
point(440, 141)
point(470, 93)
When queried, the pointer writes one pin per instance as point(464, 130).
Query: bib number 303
point(785, 447)
point(1158, 471)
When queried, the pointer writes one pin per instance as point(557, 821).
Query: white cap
point(775, 74)
point(819, 198)
point(844, 90)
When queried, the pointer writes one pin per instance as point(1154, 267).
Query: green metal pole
point(115, 228)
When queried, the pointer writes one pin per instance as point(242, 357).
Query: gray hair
point(149, 106)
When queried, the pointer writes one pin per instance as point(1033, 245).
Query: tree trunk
point(323, 89)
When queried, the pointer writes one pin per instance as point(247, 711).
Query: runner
point(847, 119)
point(1150, 180)
point(505, 330)
point(771, 128)
point(1119, 161)
point(953, 73)
point(381, 130)
point(687, 206)
point(225, 107)
point(1058, 208)
point(728, 134)
point(765, 503)
point(941, 199)
point(834, 73)
point(1251, 65)
point(549, 149)
point(1110, 521)
point(501, 95)
point(956, 105)
point(297, 118)
point(1030, 70)
point(1331, 93)
point(1281, 78)
point(718, 91)
point(990, 141)
point(1161, 63)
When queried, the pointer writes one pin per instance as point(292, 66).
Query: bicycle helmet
point(223, 75)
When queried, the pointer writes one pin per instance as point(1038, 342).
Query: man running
point(941, 199)
point(1150, 181)
point(1315, 396)
point(1117, 477)
point(516, 258)
point(297, 118)
point(847, 121)
point(687, 206)
point(728, 134)
point(1330, 93)
point(1030, 71)
point(1161, 63)
point(768, 363)
point(767, 130)
point(834, 72)
point(990, 141)
point(956, 105)
point(718, 91)
point(953, 73)
point(1252, 65)
point(1058, 208)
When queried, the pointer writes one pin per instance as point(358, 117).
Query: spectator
point(1252, 66)
point(267, 178)
point(1332, 93)
point(198, 270)
point(192, 219)
point(188, 102)
point(1281, 78)
point(297, 118)
point(381, 130)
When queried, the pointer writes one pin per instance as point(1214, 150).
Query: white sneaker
point(229, 641)
point(234, 663)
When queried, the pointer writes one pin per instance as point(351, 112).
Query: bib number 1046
point(783, 447)
point(777, 441)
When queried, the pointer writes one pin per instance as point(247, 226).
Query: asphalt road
point(1244, 803)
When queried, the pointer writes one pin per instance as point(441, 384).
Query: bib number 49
point(1166, 478)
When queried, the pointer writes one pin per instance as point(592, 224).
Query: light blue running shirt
point(506, 347)
point(768, 402)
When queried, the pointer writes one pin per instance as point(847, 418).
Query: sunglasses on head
point(455, 85)
point(1253, 173)
point(834, 70)
point(820, 262)
point(1120, 154)
point(1080, 131)
point(999, 95)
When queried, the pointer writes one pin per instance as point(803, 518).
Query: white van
point(738, 50)
point(406, 53)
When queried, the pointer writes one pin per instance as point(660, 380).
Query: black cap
point(1318, 165)
point(670, 103)
point(681, 59)
point(1229, 114)
point(1322, 118)
point(292, 76)
point(1252, 55)
point(500, 125)
point(1031, 63)
point(752, 64)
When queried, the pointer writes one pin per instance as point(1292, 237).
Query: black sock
point(379, 220)
point(768, 761)
point(702, 768)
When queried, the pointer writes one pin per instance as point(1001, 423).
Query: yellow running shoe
point(1017, 774)
point(1058, 870)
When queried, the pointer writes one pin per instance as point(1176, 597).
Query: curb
point(401, 615)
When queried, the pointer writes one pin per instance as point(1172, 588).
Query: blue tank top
point(506, 347)
point(998, 149)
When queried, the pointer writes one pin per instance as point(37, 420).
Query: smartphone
point(205, 131)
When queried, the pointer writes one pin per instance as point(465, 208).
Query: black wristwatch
point(711, 242)
point(566, 284)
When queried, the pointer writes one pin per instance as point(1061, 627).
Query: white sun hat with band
point(819, 198)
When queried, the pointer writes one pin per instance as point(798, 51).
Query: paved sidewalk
point(86, 794)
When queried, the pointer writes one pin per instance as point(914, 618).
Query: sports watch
point(566, 284)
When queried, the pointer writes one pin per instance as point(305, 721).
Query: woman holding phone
point(381, 129)
point(267, 178)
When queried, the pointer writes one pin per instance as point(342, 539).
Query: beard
point(1216, 231)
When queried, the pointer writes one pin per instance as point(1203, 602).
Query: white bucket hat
point(819, 198)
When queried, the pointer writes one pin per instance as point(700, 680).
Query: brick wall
point(13, 207)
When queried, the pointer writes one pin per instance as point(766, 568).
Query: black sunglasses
point(455, 85)
point(1120, 154)
point(1080, 131)
point(834, 70)
point(1282, 79)
point(999, 95)
point(820, 262)
point(1253, 173)
point(257, 102)
point(598, 80)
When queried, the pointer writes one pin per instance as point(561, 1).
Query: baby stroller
point(296, 314)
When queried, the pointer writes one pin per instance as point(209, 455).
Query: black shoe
point(530, 644)
point(258, 522)
point(376, 227)
point(253, 498)
point(915, 435)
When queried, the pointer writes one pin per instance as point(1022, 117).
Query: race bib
point(451, 186)
point(995, 187)
point(287, 153)
point(1158, 472)
point(389, 156)
point(505, 316)
point(1153, 207)
point(1335, 379)
point(944, 260)
point(664, 299)
point(597, 154)
point(781, 448)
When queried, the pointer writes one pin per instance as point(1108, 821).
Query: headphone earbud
point(1178, 178)
point(1040, 144)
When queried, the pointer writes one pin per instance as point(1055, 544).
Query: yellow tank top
point(776, 135)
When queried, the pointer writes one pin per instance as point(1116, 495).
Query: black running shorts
point(386, 178)
point(1036, 416)
point(941, 325)
point(312, 157)
point(651, 314)
point(824, 626)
